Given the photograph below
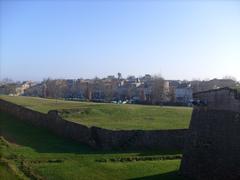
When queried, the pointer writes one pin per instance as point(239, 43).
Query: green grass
point(111, 116)
point(6, 174)
point(36, 153)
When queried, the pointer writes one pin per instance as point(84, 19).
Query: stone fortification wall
point(98, 137)
point(220, 99)
point(212, 148)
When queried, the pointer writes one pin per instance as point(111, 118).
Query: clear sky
point(73, 39)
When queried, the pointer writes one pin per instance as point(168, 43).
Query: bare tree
point(157, 93)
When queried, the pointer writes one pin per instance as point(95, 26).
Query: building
point(183, 94)
point(24, 86)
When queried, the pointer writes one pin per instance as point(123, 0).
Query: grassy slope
point(38, 153)
point(6, 174)
point(112, 116)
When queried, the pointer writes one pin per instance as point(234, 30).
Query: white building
point(25, 85)
point(183, 95)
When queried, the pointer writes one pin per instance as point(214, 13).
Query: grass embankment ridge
point(111, 116)
point(35, 153)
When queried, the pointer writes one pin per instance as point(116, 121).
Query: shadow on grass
point(43, 141)
point(39, 139)
point(174, 175)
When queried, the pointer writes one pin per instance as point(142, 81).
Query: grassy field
point(111, 116)
point(27, 152)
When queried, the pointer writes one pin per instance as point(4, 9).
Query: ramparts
point(212, 148)
point(98, 137)
point(220, 99)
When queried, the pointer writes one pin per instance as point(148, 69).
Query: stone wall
point(220, 99)
point(99, 138)
point(212, 148)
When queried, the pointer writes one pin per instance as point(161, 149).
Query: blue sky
point(73, 39)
